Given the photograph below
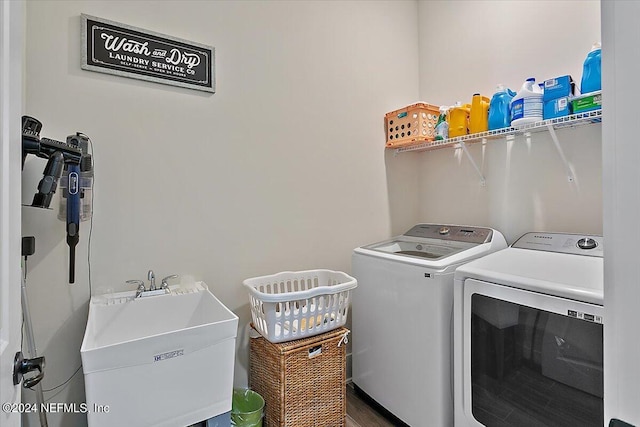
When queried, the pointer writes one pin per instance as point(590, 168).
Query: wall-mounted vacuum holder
point(70, 157)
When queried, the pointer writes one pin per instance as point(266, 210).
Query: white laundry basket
point(296, 304)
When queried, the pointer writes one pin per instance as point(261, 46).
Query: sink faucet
point(152, 278)
point(153, 290)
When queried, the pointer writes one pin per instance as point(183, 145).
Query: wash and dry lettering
point(132, 53)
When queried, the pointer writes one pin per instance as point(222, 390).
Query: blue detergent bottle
point(591, 71)
point(499, 108)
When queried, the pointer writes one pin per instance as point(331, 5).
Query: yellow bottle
point(479, 115)
point(458, 120)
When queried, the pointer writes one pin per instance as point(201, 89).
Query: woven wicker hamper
point(302, 381)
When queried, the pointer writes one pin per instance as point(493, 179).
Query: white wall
point(282, 168)
point(621, 154)
point(470, 47)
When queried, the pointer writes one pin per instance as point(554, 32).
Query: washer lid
point(420, 248)
point(437, 245)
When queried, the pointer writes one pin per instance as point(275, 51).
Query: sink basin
point(162, 360)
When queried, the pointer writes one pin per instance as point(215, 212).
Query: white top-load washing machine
point(528, 328)
point(401, 318)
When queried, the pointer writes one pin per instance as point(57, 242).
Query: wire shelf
point(573, 120)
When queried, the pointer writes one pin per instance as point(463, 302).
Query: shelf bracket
point(554, 137)
point(483, 181)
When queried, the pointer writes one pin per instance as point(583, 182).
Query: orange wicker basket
point(302, 381)
point(410, 125)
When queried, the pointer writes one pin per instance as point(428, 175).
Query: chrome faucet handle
point(140, 284)
point(152, 278)
point(135, 282)
point(165, 285)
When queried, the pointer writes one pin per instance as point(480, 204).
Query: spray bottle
point(442, 127)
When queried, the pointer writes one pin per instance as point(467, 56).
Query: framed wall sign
point(123, 50)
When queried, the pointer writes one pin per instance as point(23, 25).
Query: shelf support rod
point(554, 137)
point(483, 181)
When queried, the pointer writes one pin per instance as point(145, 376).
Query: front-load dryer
point(528, 334)
point(401, 318)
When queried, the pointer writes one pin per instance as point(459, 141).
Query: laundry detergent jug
point(591, 71)
point(499, 108)
point(479, 114)
point(526, 106)
point(459, 120)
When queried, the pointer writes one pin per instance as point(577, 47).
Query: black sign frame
point(123, 50)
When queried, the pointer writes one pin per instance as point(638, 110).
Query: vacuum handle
point(73, 216)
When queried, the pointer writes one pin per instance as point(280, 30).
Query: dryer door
point(530, 358)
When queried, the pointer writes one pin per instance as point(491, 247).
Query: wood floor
point(361, 414)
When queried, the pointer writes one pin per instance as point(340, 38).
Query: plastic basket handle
point(299, 295)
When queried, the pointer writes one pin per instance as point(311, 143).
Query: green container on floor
point(246, 408)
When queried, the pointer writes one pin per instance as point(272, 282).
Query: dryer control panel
point(576, 244)
point(456, 233)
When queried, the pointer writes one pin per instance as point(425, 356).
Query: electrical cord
point(62, 384)
point(23, 275)
point(59, 385)
point(91, 220)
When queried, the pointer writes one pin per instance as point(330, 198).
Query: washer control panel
point(457, 233)
point(576, 244)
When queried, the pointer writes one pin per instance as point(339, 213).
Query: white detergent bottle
point(526, 106)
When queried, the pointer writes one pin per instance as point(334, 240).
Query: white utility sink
point(163, 360)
